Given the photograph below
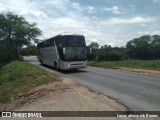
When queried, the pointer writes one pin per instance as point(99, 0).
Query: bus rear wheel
point(41, 61)
point(55, 66)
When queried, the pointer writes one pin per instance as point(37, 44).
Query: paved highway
point(135, 90)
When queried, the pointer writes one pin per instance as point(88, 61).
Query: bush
point(30, 50)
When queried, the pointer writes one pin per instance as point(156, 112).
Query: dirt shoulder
point(66, 96)
point(63, 96)
point(152, 72)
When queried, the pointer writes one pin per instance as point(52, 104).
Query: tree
point(156, 46)
point(140, 48)
point(93, 51)
point(94, 45)
point(15, 32)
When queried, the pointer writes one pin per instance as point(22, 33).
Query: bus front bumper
point(74, 65)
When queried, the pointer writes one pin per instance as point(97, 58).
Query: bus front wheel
point(55, 66)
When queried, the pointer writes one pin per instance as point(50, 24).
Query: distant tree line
point(15, 32)
point(144, 48)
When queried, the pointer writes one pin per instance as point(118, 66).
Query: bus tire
point(55, 66)
point(41, 61)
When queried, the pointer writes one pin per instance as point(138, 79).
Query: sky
point(107, 22)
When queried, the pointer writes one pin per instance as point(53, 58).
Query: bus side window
point(45, 44)
point(56, 40)
point(59, 41)
point(41, 45)
point(51, 42)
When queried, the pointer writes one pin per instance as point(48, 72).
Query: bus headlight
point(67, 65)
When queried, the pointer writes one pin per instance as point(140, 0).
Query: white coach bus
point(64, 51)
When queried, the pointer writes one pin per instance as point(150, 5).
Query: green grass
point(18, 77)
point(141, 64)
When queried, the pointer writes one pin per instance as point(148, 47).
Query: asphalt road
point(135, 90)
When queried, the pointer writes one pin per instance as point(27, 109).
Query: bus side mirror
point(64, 51)
point(85, 52)
point(90, 50)
point(60, 45)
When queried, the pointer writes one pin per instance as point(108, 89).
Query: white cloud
point(149, 32)
point(133, 20)
point(34, 14)
point(143, 25)
point(114, 10)
point(76, 6)
point(155, 32)
point(57, 16)
point(91, 9)
point(155, 1)
point(143, 32)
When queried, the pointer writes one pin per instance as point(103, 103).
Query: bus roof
point(63, 34)
point(69, 33)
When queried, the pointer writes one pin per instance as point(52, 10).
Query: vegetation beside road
point(146, 47)
point(140, 64)
point(16, 32)
point(18, 77)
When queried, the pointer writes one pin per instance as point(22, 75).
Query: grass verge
point(139, 64)
point(18, 77)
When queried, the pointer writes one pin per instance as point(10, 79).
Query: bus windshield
point(74, 41)
point(75, 53)
point(74, 45)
